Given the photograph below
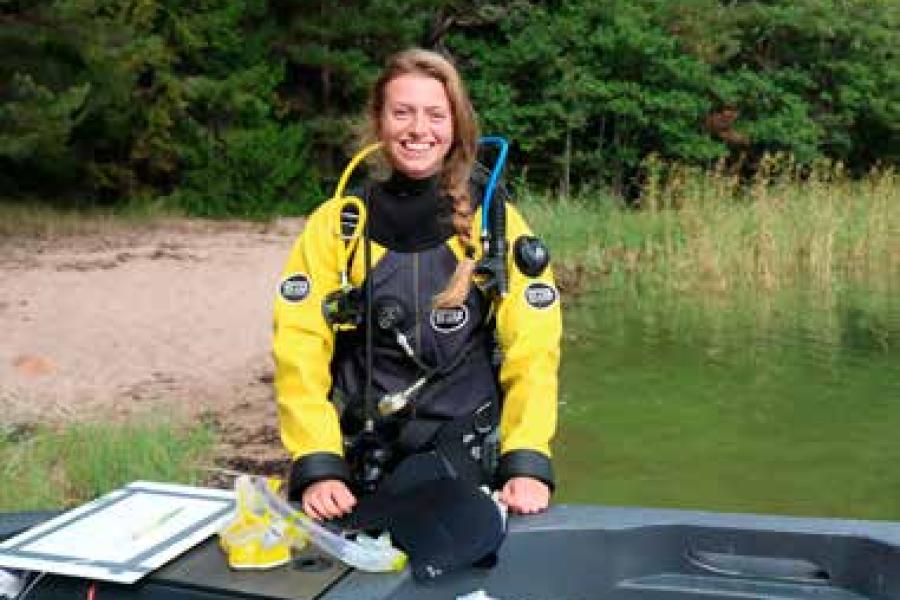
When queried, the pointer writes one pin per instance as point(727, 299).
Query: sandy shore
point(173, 319)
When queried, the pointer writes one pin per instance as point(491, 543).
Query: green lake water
point(786, 403)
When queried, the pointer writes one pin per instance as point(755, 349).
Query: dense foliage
point(245, 107)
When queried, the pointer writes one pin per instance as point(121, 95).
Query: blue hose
point(494, 178)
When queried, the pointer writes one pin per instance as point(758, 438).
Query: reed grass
point(709, 233)
point(737, 348)
point(38, 220)
point(44, 468)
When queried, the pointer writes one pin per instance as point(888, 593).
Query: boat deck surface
point(570, 552)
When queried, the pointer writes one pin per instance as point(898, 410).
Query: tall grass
point(706, 232)
point(738, 347)
point(19, 219)
point(45, 468)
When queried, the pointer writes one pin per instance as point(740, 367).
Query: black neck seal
point(410, 215)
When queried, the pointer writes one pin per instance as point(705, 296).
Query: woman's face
point(416, 125)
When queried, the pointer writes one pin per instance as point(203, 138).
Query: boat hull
point(572, 552)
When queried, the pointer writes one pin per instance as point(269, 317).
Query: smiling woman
point(415, 125)
point(421, 113)
point(406, 332)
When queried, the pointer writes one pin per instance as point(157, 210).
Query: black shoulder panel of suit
point(478, 181)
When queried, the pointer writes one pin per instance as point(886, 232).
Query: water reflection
point(787, 403)
point(863, 332)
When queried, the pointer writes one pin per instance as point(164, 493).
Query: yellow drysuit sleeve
point(529, 329)
point(303, 346)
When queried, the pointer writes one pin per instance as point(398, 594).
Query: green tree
point(840, 61)
point(333, 56)
point(588, 89)
point(133, 91)
point(812, 77)
point(235, 106)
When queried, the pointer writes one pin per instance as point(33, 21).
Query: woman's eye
point(438, 117)
point(401, 113)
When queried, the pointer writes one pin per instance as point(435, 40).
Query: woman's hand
point(525, 495)
point(327, 499)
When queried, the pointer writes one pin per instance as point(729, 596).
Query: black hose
point(497, 245)
point(367, 260)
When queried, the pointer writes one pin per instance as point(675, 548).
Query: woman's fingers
point(344, 498)
point(519, 502)
point(525, 495)
point(311, 508)
point(328, 506)
point(313, 505)
point(327, 499)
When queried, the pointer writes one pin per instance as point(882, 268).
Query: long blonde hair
point(459, 160)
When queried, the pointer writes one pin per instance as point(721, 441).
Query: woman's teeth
point(416, 147)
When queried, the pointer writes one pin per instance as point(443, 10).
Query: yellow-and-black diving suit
point(445, 360)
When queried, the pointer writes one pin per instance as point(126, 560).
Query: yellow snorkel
point(348, 170)
point(352, 213)
point(266, 527)
point(341, 306)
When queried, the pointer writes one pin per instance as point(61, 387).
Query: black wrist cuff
point(311, 468)
point(525, 463)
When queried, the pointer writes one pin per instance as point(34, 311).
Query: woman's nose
point(418, 123)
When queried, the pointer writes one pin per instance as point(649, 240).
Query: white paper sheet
point(123, 535)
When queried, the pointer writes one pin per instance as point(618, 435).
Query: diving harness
point(349, 306)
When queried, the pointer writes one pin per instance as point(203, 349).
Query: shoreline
point(172, 316)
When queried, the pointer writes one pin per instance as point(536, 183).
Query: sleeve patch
point(295, 287)
point(541, 295)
